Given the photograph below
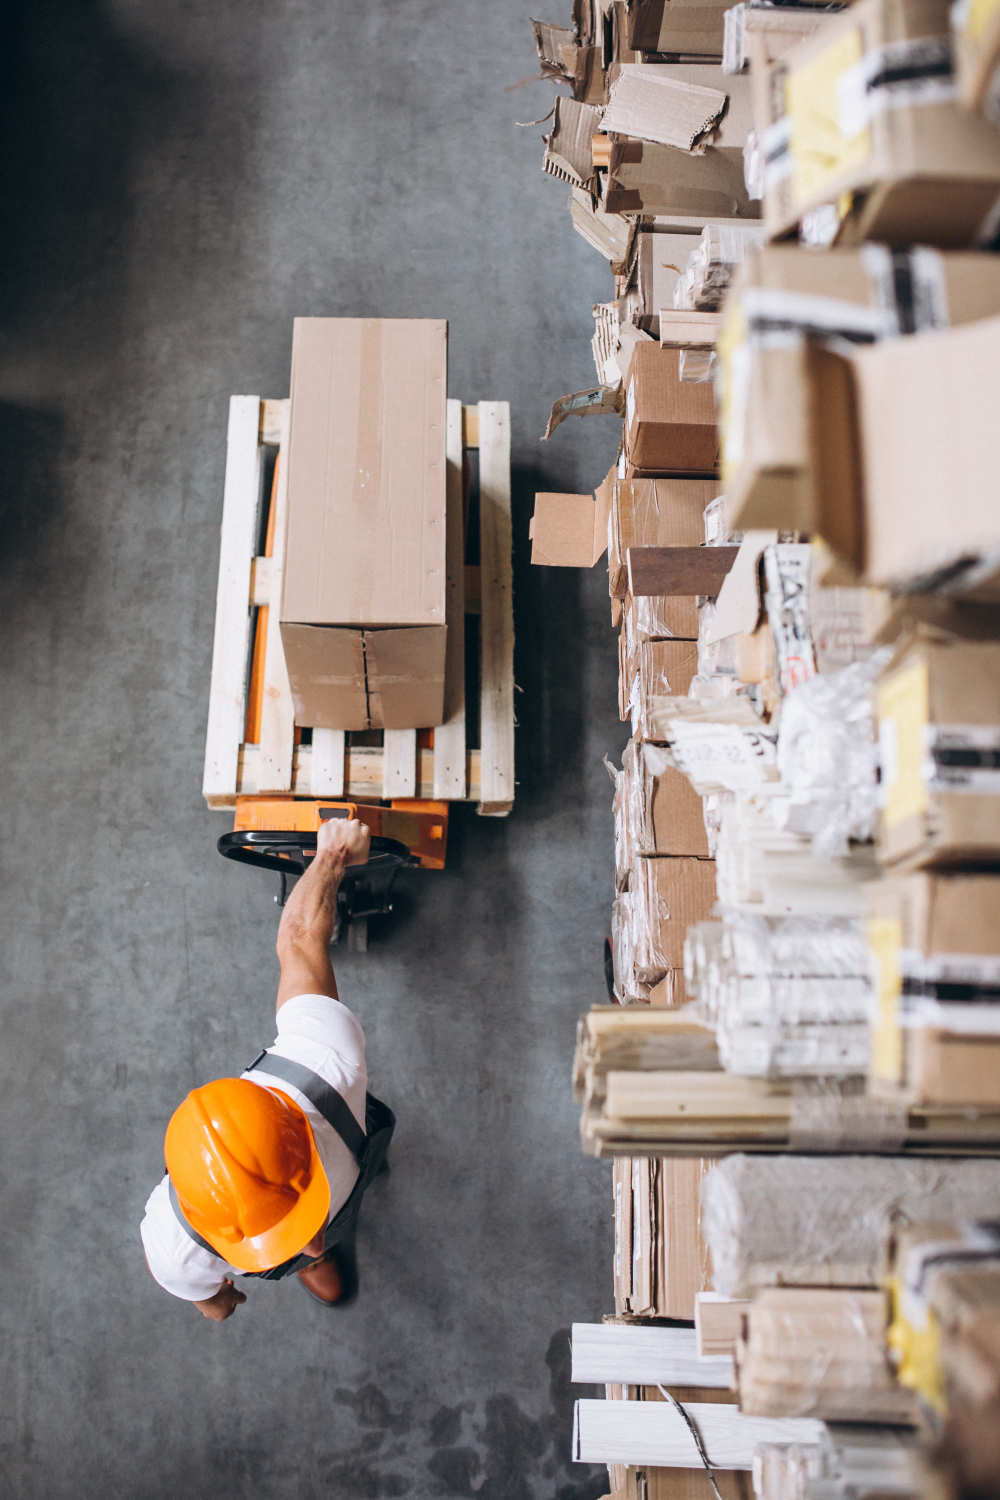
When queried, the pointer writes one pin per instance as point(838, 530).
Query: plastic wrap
point(850, 1463)
point(780, 1006)
point(787, 572)
point(754, 165)
point(827, 757)
point(706, 277)
point(717, 532)
point(696, 366)
point(819, 1352)
point(715, 658)
point(821, 1220)
point(662, 669)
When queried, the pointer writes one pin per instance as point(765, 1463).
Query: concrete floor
point(179, 182)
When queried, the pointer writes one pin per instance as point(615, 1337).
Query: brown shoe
point(322, 1281)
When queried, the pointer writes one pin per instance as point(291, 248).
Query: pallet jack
point(279, 834)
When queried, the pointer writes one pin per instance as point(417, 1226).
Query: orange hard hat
point(245, 1168)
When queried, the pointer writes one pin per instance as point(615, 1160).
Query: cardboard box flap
point(570, 531)
point(647, 105)
point(569, 154)
point(739, 604)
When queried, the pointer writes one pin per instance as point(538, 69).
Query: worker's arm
point(307, 922)
point(225, 1302)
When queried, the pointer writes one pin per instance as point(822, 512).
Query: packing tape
point(832, 1114)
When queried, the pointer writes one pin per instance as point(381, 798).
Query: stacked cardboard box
point(807, 814)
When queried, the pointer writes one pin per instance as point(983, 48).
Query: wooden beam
point(277, 723)
point(449, 737)
point(689, 330)
point(271, 413)
point(629, 1354)
point(226, 705)
point(654, 1433)
point(496, 708)
point(470, 426)
point(399, 763)
point(670, 571)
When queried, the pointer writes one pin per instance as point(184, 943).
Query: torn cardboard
point(569, 531)
point(568, 152)
point(739, 604)
point(652, 106)
point(363, 600)
point(599, 400)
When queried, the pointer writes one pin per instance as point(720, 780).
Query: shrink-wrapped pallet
point(822, 1220)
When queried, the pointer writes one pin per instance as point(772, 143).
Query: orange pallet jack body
point(419, 824)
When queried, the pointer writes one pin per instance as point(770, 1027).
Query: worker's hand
point(225, 1302)
point(345, 839)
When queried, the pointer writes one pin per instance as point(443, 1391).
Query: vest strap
point(193, 1234)
point(331, 1105)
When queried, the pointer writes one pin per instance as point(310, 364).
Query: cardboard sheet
point(652, 106)
point(569, 531)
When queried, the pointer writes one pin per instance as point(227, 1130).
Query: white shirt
point(325, 1037)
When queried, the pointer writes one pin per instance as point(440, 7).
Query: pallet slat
point(496, 722)
point(327, 763)
point(399, 763)
point(449, 737)
point(277, 723)
point(226, 704)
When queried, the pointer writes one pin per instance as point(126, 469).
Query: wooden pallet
point(440, 764)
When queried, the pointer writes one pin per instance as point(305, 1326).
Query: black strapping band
point(331, 1105)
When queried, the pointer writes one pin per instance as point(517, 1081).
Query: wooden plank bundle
point(820, 1352)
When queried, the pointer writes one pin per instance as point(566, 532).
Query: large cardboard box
point(935, 941)
point(931, 451)
point(872, 125)
point(657, 811)
point(937, 707)
point(363, 601)
point(785, 459)
point(668, 896)
point(654, 513)
point(670, 426)
point(659, 669)
point(688, 28)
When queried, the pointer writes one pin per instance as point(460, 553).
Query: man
point(265, 1173)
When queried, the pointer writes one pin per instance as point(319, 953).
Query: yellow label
point(916, 1352)
point(819, 153)
point(885, 938)
point(903, 709)
point(981, 13)
point(730, 349)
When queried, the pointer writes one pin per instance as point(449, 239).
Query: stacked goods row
point(798, 1079)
